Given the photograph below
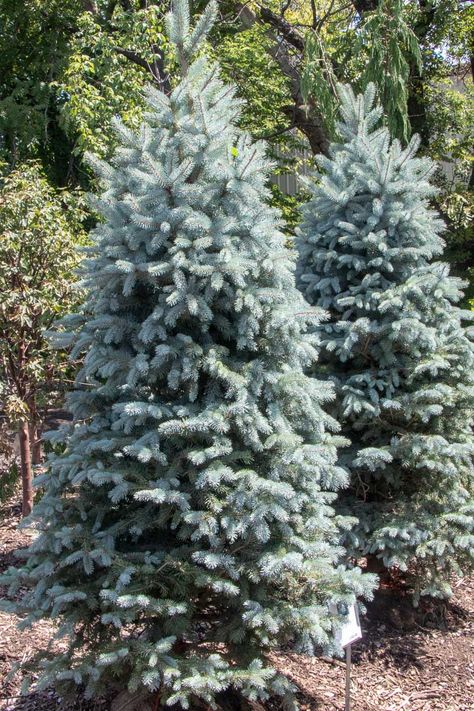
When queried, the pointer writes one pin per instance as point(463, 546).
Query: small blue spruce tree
point(396, 347)
point(187, 526)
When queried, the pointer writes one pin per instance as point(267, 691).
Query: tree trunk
point(417, 102)
point(35, 443)
point(26, 469)
point(308, 122)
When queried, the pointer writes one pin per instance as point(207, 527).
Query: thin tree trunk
point(26, 468)
point(35, 443)
point(308, 122)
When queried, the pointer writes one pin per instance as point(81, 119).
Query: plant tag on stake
point(350, 631)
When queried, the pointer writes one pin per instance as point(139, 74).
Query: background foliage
point(40, 229)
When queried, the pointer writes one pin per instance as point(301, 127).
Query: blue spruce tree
point(187, 527)
point(396, 348)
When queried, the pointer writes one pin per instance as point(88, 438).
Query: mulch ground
point(407, 660)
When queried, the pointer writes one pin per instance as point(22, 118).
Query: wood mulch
point(407, 661)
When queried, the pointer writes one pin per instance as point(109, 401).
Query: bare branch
point(284, 28)
point(133, 57)
point(155, 67)
point(285, 8)
point(314, 14)
point(328, 14)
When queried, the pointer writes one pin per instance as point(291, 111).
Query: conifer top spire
point(185, 38)
point(357, 111)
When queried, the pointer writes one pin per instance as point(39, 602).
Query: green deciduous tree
point(38, 238)
point(34, 37)
point(116, 48)
point(363, 42)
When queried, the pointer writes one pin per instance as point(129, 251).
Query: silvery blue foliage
point(396, 347)
point(187, 527)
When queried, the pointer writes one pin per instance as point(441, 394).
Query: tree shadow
point(400, 633)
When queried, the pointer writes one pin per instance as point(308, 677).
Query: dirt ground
point(407, 660)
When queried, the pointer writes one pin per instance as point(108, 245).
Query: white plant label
point(350, 631)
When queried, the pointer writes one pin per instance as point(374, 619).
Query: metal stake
point(347, 706)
